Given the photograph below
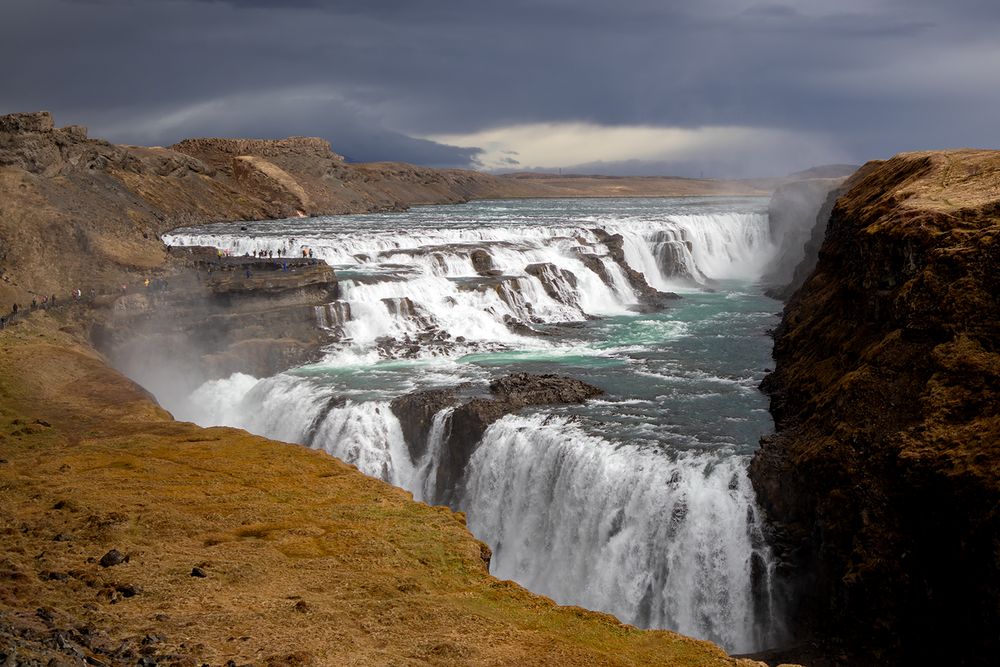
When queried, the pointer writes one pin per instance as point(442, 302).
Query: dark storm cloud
point(871, 77)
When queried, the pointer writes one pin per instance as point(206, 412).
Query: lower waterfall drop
point(657, 542)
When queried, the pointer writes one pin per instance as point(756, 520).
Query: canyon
point(879, 488)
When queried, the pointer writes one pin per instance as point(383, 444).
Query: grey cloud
point(411, 67)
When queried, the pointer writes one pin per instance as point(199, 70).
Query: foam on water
point(654, 540)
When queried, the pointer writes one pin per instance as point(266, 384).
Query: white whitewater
point(657, 542)
point(659, 538)
point(424, 480)
point(284, 407)
point(424, 281)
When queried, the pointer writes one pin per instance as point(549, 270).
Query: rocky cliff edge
point(883, 480)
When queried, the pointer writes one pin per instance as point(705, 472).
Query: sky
point(720, 88)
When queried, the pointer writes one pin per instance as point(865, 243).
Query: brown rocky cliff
point(883, 480)
point(83, 213)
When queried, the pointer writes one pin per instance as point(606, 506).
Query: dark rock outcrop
point(482, 262)
point(32, 121)
point(560, 285)
point(882, 484)
point(416, 411)
point(473, 412)
point(673, 254)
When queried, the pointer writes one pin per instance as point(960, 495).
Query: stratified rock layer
point(215, 316)
point(883, 481)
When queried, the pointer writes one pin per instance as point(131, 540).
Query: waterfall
point(407, 285)
point(368, 436)
point(659, 535)
point(658, 542)
point(365, 434)
point(426, 475)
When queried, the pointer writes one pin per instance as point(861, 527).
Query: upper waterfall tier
point(487, 275)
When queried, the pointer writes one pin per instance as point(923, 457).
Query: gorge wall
point(797, 215)
point(883, 479)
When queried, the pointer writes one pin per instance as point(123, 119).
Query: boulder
point(22, 123)
point(482, 262)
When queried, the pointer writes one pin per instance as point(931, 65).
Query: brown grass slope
point(307, 560)
point(884, 476)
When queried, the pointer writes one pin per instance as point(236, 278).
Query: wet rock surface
point(416, 411)
point(482, 262)
point(559, 284)
point(474, 411)
point(649, 298)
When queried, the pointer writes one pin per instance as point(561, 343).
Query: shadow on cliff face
point(883, 480)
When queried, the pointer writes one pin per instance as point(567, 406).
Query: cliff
point(129, 538)
point(212, 317)
point(882, 483)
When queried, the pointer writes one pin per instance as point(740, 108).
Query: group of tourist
point(16, 309)
point(269, 254)
point(76, 296)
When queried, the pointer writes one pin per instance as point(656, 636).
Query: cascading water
point(637, 504)
point(424, 481)
point(658, 541)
